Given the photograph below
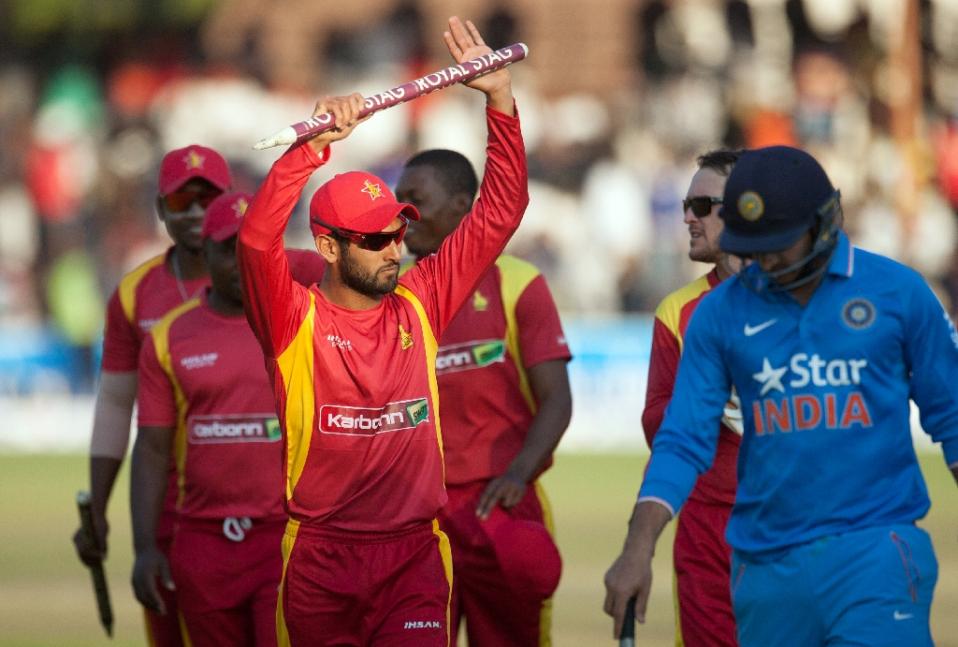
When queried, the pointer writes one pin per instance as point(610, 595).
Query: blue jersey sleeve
point(931, 353)
point(684, 446)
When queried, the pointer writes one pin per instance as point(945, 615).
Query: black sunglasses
point(701, 205)
point(372, 242)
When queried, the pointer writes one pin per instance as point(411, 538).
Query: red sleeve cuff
point(314, 157)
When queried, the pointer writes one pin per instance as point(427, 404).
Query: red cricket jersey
point(356, 389)
point(508, 325)
point(141, 299)
point(202, 373)
point(148, 292)
point(718, 484)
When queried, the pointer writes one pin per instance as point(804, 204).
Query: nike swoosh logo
point(751, 330)
point(903, 616)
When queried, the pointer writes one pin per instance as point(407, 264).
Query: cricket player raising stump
point(353, 365)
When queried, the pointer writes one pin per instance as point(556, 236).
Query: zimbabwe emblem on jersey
point(405, 338)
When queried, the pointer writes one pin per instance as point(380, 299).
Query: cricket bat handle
point(100, 587)
point(627, 633)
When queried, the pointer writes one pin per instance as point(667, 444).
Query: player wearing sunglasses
point(825, 344)
point(353, 362)
point(701, 556)
point(190, 178)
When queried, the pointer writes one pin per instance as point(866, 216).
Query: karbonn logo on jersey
point(367, 421)
point(834, 408)
point(475, 354)
point(262, 428)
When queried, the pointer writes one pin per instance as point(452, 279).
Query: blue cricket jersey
point(824, 391)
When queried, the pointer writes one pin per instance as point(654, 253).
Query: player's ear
point(327, 247)
point(461, 203)
point(160, 209)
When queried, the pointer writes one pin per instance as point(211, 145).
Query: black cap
point(771, 198)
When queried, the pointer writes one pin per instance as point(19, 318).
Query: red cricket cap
point(224, 215)
point(183, 164)
point(356, 201)
point(526, 552)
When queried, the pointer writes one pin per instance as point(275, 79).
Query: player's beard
point(361, 280)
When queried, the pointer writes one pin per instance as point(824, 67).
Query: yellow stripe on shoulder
point(130, 281)
point(515, 275)
point(160, 334)
point(669, 311)
point(296, 365)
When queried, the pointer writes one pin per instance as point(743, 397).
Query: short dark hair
point(454, 168)
point(720, 160)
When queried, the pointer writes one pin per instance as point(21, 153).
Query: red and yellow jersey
point(151, 290)
point(141, 299)
point(356, 389)
point(202, 373)
point(506, 326)
point(718, 484)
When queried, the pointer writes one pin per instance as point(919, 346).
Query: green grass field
point(46, 598)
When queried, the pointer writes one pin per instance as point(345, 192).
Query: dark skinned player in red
point(190, 178)
point(206, 402)
point(506, 401)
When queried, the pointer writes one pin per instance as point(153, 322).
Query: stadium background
point(617, 98)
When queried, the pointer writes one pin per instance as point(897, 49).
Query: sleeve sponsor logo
point(371, 421)
point(246, 428)
point(827, 404)
point(470, 355)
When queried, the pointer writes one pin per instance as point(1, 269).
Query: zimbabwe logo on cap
point(194, 160)
point(858, 313)
point(751, 206)
point(240, 206)
point(372, 189)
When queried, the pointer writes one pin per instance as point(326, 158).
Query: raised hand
point(465, 42)
point(346, 113)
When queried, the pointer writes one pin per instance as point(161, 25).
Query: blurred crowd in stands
point(86, 113)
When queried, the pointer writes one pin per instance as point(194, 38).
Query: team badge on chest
point(405, 338)
point(858, 313)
